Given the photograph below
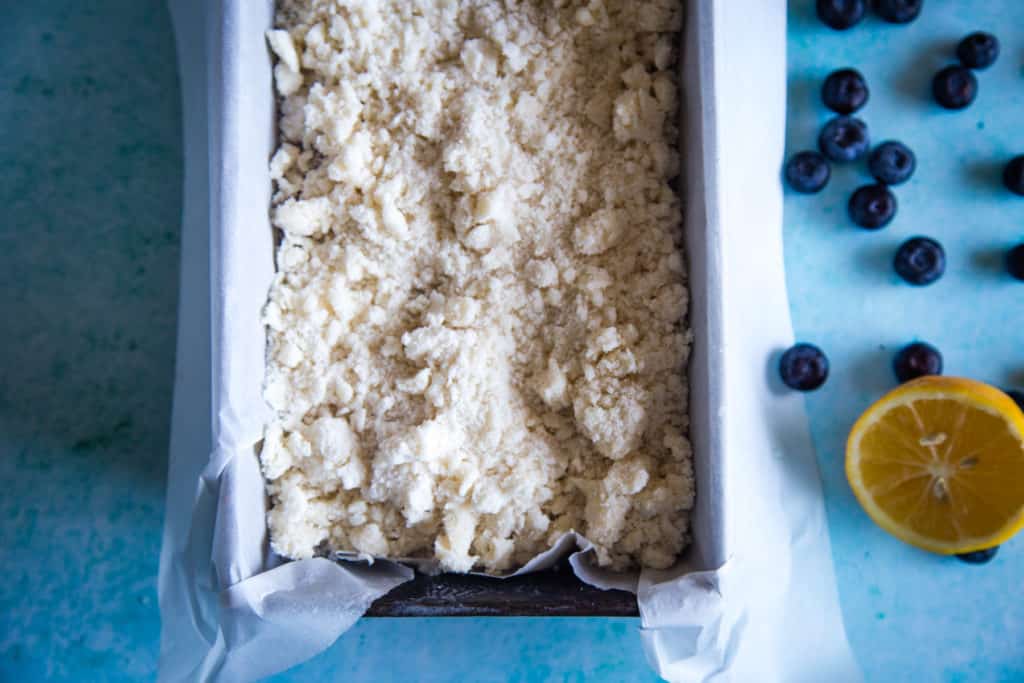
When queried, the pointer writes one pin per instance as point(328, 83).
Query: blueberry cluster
point(844, 14)
point(955, 86)
point(845, 139)
point(919, 260)
point(805, 367)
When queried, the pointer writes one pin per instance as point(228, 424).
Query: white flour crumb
point(477, 336)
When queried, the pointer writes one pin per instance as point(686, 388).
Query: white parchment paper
point(755, 599)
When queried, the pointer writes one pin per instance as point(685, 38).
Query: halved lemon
point(939, 463)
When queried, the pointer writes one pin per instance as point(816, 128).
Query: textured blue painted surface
point(907, 611)
point(90, 182)
point(90, 189)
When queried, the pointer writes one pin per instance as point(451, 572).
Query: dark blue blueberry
point(1013, 175)
point(840, 14)
point(808, 172)
point(892, 163)
point(1015, 262)
point(844, 138)
point(845, 91)
point(920, 261)
point(898, 11)
point(872, 206)
point(955, 87)
point(979, 556)
point(917, 360)
point(803, 367)
point(978, 50)
point(1017, 396)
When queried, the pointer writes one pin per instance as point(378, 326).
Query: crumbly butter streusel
point(477, 336)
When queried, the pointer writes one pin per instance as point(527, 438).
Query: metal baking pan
point(558, 592)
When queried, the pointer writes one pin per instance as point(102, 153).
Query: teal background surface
point(90, 182)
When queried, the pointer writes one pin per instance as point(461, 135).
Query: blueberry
point(979, 556)
point(840, 14)
point(920, 261)
point(917, 360)
point(1017, 396)
point(898, 11)
point(844, 138)
point(808, 172)
point(955, 87)
point(803, 367)
point(978, 50)
point(1013, 175)
point(845, 91)
point(892, 163)
point(1015, 262)
point(872, 206)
